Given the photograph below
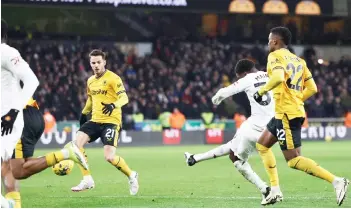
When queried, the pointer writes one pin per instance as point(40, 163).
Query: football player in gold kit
point(23, 164)
point(106, 96)
point(292, 83)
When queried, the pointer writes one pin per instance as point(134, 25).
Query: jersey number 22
point(294, 82)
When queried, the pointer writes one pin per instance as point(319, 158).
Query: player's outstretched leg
point(120, 164)
point(191, 159)
point(309, 166)
point(263, 146)
point(291, 147)
point(35, 165)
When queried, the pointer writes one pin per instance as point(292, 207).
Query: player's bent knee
point(19, 174)
point(109, 158)
point(293, 162)
point(261, 148)
point(233, 157)
point(81, 139)
point(109, 153)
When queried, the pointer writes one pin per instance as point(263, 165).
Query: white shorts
point(8, 142)
point(244, 142)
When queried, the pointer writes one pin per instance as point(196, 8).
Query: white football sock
point(4, 202)
point(336, 181)
point(245, 169)
point(88, 178)
point(65, 153)
point(275, 189)
point(213, 153)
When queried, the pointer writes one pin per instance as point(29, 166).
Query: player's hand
point(83, 119)
point(257, 97)
point(108, 108)
point(7, 122)
point(217, 99)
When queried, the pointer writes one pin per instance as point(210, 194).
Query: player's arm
point(86, 110)
point(277, 76)
point(310, 87)
point(122, 97)
point(235, 88)
point(13, 62)
point(23, 72)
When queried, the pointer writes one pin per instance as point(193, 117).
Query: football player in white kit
point(244, 142)
point(13, 98)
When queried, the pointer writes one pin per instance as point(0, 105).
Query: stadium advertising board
point(190, 125)
point(171, 137)
point(214, 136)
point(223, 6)
point(175, 137)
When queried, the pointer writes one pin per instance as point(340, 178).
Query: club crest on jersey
point(276, 61)
point(104, 83)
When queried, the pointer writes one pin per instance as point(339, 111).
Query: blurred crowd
point(176, 75)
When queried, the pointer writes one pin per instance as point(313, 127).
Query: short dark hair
point(4, 28)
point(283, 32)
point(98, 52)
point(243, 66)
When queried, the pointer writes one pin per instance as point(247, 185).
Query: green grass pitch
point(166, 181)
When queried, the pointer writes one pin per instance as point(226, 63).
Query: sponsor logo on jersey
point(100, 91)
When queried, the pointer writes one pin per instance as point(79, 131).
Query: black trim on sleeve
point(308, 78)
point(121, 92)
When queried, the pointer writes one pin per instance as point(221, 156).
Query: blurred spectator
point(176, 75)
point(239, 118)
point(348, 120)
point(164, 119)
point(177, 119)
point(50, 121)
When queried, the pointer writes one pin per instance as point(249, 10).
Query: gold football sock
point(311, 167)
point(269, 163)
point(53, 158)
point(121, 165)
point(84, 172)
point(16, 196)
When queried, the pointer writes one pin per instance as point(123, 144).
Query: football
point(63, 168)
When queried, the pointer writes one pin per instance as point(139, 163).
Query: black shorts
point(107, 132)
point(288, 132)
point(34, 126)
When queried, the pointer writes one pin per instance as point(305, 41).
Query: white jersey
point(262, 112)
point(14, 69)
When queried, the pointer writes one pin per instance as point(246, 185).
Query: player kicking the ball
point(106, 96)
point(244, 141)
point(292, 83)
point(22, 164)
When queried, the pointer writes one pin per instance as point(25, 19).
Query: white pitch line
point(188, 197)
